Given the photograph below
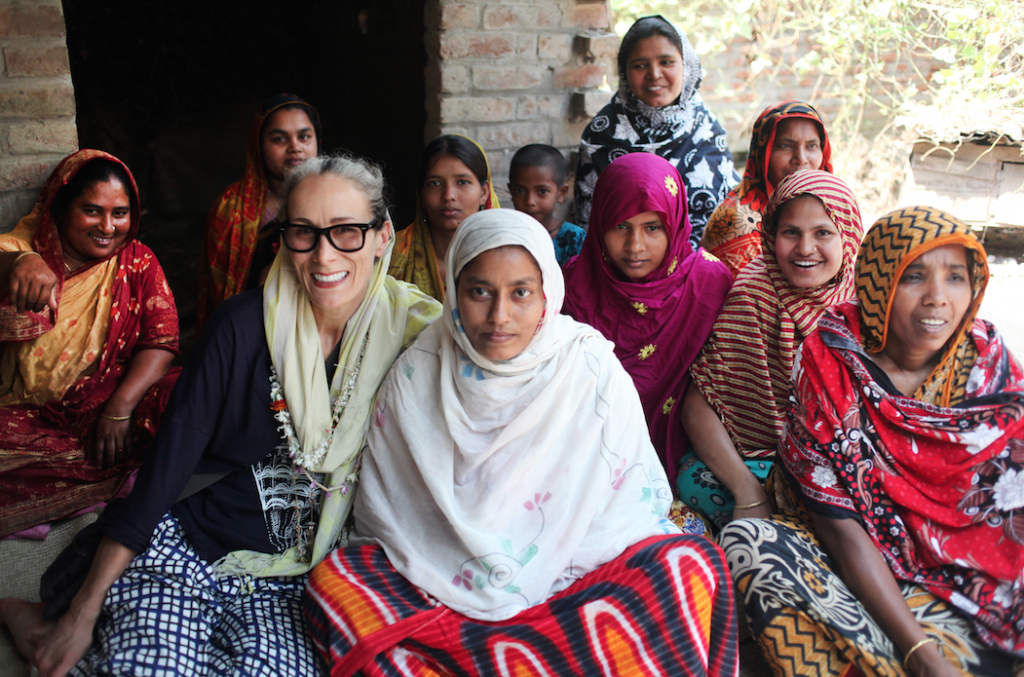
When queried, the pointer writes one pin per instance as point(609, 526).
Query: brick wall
point(37, 102)
point(510, 74)
point(737, 96)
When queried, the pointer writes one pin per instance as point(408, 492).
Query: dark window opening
point(171, 88)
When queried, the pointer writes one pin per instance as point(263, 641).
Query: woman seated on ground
point(736, 401)
point(510, 478)
point(454, 181)
point(639, 282)
point(88, 330)
point(241, 239)
point(788, 137)
point(658, 110)
point(195, 578)
point(905, 439)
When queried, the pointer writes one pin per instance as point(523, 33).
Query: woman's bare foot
point(25, 621)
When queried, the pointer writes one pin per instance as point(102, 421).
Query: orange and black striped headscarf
point(893, 242)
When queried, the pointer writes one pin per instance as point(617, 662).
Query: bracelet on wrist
point(22, 255)
point(116, 418)
point(910, 652)
point(752, 505)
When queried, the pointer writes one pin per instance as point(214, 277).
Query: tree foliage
point(961, 58)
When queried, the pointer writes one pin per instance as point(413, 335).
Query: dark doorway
point(171, 88)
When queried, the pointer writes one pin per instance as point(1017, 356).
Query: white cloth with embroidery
point(493, 485)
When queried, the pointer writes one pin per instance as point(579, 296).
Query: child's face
point(535, 192)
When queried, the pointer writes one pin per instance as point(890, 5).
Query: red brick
point(531, 17)
point(567, 134)
point(513, 135)
point(526, 45)
point(507, 77)
point(477, 109)
point(36, 61)
point(43, 136)
point(540, 107)
point(22, 21)
point(459, 16)
point(605, 45)
point(455, 79)
point(476, 45)
point(572, 77)
point(557, 47)
point(590, 16)
point(37, 100)
point(22, 173)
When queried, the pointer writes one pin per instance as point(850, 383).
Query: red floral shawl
point(733, 232)
point(937, 479)
point(233, 224)
point(44, 473)
point(940, 490)
point(659, 324)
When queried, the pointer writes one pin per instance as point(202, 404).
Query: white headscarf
point(493, 485)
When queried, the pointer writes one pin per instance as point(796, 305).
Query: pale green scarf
point(390, 317)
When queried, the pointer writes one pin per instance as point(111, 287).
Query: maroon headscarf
point(660, 323)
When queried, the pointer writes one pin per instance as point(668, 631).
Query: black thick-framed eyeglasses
point(345, 237)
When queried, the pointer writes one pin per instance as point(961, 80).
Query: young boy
point(537, 184)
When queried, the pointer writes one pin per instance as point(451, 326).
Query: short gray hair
point(365, 174)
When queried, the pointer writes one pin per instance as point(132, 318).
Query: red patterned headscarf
point(658, 324)
point(232, 227)
point(732, 230)
point(744, 370)
point(40, 227)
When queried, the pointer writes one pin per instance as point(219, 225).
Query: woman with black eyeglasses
point(201, 569)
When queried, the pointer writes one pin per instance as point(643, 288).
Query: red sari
point(46, 471)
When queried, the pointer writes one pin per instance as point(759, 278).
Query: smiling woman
point(735, 408)
point(902, 452)
point(658, 110)
point(88, 329)
point(787, 137)
point(274, 403)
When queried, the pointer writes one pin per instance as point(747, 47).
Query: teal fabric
point(568, 242)
point(701, 490)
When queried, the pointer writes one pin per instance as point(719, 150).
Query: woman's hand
point(32, 284)
point(113, 441)
point(61, 648)
point(928, 661)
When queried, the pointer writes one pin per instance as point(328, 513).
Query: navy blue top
point(219, 418)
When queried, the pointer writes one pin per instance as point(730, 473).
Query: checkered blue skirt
point(168, 614)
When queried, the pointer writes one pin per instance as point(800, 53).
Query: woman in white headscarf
point(512, 507)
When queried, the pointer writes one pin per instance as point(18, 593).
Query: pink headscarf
point(658, 324)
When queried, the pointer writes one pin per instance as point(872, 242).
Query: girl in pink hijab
point(641, 284)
